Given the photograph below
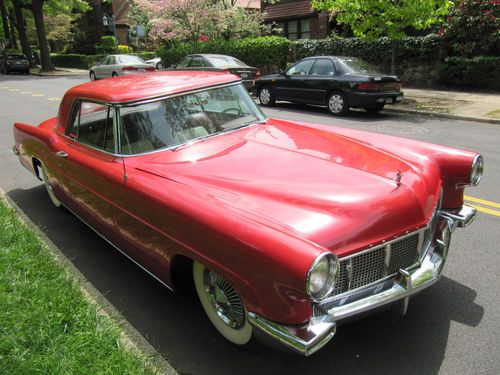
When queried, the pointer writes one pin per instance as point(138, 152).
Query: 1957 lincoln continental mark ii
point(287, 227)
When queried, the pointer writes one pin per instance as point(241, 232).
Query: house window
point(294, 29)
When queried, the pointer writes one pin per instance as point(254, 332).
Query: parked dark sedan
point(14, 63)
point(221, 63)
point(339, 82)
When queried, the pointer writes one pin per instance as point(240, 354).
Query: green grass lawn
point(47, 326)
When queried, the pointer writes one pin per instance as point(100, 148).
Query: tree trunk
point(21, 30)
point(37, 9)
point(5, 23)
point(13, 28)
point(393, 57)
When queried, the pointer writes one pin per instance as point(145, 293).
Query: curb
point(131, 334)
point(61, 74)
point(442, 115)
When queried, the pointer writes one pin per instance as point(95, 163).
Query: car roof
point(139, 87)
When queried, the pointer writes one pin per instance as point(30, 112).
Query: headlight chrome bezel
point(329, 284)
point(477, 169)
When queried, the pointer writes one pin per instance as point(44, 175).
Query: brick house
point(297, 19)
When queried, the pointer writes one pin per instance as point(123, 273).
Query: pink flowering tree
point(185, 20)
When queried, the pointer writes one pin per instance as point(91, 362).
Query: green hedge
point(147, 55)
point(377, 51)
point(75, 60)
point(259, 52)
point(480, 72)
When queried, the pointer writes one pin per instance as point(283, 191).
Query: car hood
point(333, 190)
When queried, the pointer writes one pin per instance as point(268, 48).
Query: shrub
point(107, 45)
point(259, 52)
point(75, 60)
point(147, 55)
point(124, 49)
point(480, 72)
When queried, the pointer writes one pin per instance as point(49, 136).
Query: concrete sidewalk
point(450, 104)
point(60, 72)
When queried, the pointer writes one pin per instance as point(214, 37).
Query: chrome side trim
point(117, 248)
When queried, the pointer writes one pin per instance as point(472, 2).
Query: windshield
point(356, 65)
point(178, 120)
point(225, 61)
point(128, 59)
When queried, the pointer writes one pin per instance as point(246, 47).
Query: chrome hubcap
point(336, 103)
point(224, 300)
point(265, 96)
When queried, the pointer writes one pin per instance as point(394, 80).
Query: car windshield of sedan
point(127, 59)
point(175, 121)
point(356, 65)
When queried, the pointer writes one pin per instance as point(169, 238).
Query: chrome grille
point(374, 264)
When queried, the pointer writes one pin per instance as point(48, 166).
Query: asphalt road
point(451, 328)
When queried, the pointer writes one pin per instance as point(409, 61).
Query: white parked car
point(156, 62)
point(119, 65)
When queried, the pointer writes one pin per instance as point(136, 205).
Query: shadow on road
point(177, 327)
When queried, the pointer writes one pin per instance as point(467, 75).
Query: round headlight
point(477, 169)
point(322, 276)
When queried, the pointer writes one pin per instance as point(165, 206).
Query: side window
point(322, 67)
point(183, 63)
point(301, 69)
point(92, 125)
point(197, 62)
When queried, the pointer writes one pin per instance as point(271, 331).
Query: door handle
point(62, 154)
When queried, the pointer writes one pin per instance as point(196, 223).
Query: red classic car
point(287, 227)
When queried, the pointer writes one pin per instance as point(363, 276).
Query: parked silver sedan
point(119, 65)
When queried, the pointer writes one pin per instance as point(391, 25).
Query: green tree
point(372, 19)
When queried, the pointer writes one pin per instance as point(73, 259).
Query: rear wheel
point(337, 104)
point(266, 96)
point(92, 76)
point(159, 66)
point(114, 74)
point(222, 304)
point(56, 202)
point(375, 109)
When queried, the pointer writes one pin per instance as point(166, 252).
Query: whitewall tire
point(222, 304)
point(56, 202)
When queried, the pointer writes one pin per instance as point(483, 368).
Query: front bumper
point(322, 326)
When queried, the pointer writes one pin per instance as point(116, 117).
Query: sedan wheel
point(337, 104)
point(266, 96)
point(92, 76)
point(222, 304)
point(56, 202)
point(159, 66)
point(114, 74)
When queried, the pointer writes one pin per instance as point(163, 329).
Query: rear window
point(16, 57)
point(126, 59)
point(225, 61)
point(357, 65)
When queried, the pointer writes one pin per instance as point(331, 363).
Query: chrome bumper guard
point(322, 326)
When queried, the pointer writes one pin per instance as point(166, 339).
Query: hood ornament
point(398, 177)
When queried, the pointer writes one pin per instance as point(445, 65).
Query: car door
point(293, 87)
point(100, 70)
point(89, 171)
point(321, 80)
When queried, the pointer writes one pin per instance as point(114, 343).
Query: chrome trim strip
point(387, 260)
point(117, 248)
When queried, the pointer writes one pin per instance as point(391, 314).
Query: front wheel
point(266, 96)
point(114, 74)
point(92, 76)
point(337, 104)
point(222, 304)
